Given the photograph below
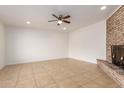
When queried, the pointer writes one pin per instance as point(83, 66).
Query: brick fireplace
point(114, 36)
point(115, 31)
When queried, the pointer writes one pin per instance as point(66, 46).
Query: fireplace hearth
point(113, 71)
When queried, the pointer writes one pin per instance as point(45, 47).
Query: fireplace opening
point(117, 55)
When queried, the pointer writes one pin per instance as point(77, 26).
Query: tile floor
point(62, 73)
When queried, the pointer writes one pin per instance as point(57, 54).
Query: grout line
point(34, 79)
point(18, 76)
point(51, 77)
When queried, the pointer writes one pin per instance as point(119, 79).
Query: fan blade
point(66, 17)
point(55, 16)
point(52, 20)
point(66, 21)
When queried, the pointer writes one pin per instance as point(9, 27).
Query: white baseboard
point(41, 60)
point(34, 60)
point(81, 60)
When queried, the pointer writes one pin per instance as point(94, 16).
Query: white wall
point(88, 43)
point(27, 45)
point(2, 46)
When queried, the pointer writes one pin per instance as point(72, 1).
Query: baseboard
point(34, 60)
point(38, 60)
point(81, 60)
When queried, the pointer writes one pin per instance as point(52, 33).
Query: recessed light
point(103, 7)
point(28, 22)
point(64, 28)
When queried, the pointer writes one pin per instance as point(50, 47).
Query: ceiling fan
point(60, 19)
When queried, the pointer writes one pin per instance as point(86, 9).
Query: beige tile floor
point(62, 73)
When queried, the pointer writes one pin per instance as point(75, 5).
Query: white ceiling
point(81, 15)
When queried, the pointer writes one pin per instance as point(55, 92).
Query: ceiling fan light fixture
point(59, 22)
